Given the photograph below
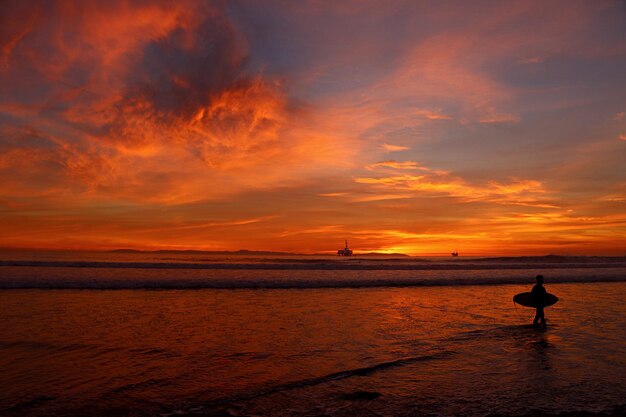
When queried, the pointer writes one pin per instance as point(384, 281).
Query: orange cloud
point(405, 165)
point(432, 115)
point(208, 225)
point(394, 148)
point(517, 192)
point(148, 102)
point(172, 124)
point(531, 60)
point(380, 197)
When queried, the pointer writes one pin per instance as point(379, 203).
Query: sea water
point(166, 334)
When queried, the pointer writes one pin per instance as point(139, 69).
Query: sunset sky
point(490, 127)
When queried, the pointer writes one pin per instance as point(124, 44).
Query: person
point(539, 295)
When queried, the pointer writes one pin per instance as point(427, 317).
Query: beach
point(312, 208)
point(383, 350)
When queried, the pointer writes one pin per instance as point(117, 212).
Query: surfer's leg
point(536, 320)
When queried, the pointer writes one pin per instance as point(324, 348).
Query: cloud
point(394, 148)
point(212, 225)
point(147, 101)
point(170, 123)
point(499, 118)
point(380, 197)
point(523, 192)
point(622, 136)
point(405, 165)
point(323, 229)
point(532, 60)
point(432, 114)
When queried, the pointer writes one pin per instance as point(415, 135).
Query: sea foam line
point(234, 284)
point(379, 266)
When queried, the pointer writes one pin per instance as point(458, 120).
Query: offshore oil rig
point(345, 251)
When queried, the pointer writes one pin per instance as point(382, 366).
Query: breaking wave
point(293, 273)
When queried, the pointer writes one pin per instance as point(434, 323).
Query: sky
point(421, 127)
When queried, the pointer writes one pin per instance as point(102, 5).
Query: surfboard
point(526, 299)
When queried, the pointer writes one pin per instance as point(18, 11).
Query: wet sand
point(335, 352)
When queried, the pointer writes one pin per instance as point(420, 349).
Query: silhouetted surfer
point(539, 295)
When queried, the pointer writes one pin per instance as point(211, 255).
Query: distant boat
point(345, 251)
point(455, 253)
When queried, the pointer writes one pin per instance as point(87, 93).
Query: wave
point(476, 264)
point(234, 284)
point(292, 274)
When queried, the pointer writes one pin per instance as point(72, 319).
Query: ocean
point(170, 334)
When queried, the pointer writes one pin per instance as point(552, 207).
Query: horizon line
point(279, 252)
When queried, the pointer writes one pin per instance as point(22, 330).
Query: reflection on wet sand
point(333, 352)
